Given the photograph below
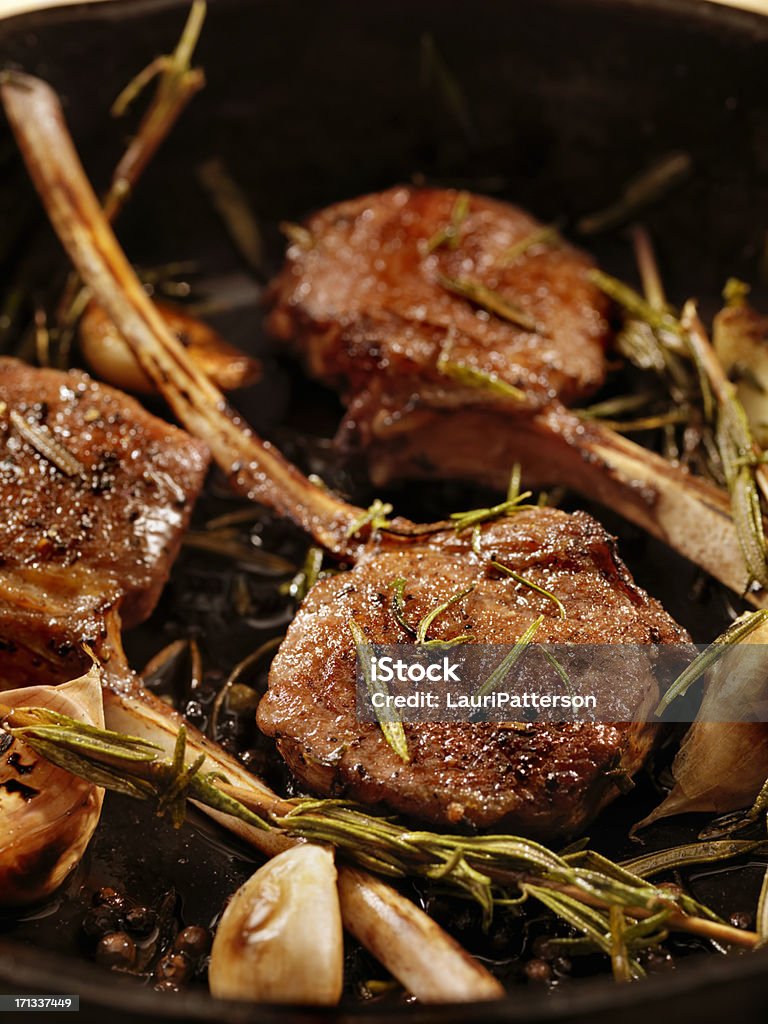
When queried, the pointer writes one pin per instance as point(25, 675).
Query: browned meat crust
point(362, 299)
point(74, 544)
point(541, 780)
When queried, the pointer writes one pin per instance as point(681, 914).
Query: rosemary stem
point(690, 923)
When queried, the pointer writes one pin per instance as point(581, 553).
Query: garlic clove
point(280, 938)
point(110, 358)
point(47, 816)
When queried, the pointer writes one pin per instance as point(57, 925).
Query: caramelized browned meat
point(96, 494)
point(541, 780)
point(370, 305)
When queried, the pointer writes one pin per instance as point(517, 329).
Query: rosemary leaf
point(427, 620)
point(509, 660)
point(693, 853)
point(620, 964)
point(735, 633)
point(466, 520)
point(532, 586)
point(471, 377)
point(513, 487)
point(451, 233)
point(42, 440)
point(398, 605)
point(541, 236)
point(564, 677)
point(641, 191)
point(489, 300)
point(394, 733)
point(375, 516)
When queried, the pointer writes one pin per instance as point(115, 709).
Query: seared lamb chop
point(458, 329)
point(96, 495)
point(551, 781)
point(539, 780)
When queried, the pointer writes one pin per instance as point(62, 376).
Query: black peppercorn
point(194, 941)
point(538, 971)
point(140, 921)
point(116, 950)
point(176, 967)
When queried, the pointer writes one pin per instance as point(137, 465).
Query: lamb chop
point(96, 495)
point(454, 773)
point(458, 331)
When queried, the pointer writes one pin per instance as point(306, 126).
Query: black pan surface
point(561, 102)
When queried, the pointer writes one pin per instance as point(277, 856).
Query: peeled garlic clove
point(280, 938)
point(110, 358)
point(47, 816)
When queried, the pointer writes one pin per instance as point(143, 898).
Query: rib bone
point(558, 447)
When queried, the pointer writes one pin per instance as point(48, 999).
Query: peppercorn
point(538, 971)
point(116, 950)
point(176, 967)
point(194, 941)
point(140, 921)
point(742, 919)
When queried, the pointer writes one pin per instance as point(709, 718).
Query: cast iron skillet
point(308, 103)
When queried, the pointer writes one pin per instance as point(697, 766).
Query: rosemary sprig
point(391, 727)
point(621, 963)
point(736, 632)
point(177, 83)
point(451, 233)
point(374, 516)
point(661, 341)
point(516, 576)
point(495, 870)
point(489, 300)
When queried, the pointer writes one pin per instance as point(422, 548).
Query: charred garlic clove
point(280, 938)
point(107, 354)
point(47, 816)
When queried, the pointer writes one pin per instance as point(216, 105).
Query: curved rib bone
point(254, 467)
